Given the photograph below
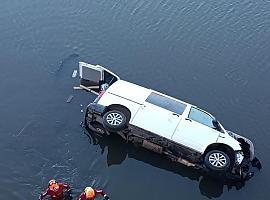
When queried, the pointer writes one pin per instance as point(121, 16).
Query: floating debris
point(25, 126)
point(69, 99)
point(74, 74)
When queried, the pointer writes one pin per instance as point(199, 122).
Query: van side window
point(201, 117)
point(166, 103)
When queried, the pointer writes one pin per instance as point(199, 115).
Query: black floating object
point(256, 163)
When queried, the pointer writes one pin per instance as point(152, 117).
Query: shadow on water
point(118, 151)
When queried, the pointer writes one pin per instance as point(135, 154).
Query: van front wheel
point(217, 160)
point(114, 121)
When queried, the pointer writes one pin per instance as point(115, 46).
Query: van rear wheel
point(114, 121)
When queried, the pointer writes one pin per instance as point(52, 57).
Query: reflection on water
point(119, 150)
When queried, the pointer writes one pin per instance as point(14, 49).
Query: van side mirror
point(216, 124)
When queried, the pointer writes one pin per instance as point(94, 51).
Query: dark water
point(214, 54)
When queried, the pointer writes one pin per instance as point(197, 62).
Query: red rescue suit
point(55, 195)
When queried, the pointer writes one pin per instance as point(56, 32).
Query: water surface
point(214, 54)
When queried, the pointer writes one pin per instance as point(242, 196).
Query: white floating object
point(81, 111)
point(69, 99)
point(74, 74)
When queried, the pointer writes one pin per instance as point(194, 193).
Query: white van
point(179, 130)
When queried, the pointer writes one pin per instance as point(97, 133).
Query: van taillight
point(100, 94)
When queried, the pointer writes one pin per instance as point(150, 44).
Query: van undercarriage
point(172, 150)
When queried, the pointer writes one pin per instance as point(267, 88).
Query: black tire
point(217, 160)
point(98, 128)
point(122, 109)
point(114, 121)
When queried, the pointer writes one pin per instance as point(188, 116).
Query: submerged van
point(179, 130)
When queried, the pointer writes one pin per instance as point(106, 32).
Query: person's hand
point(68, 190)
point(106, 197)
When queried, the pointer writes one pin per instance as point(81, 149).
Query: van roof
point(129, 91)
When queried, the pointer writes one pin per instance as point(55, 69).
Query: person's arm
point(42, 195)
point(101, 192)
point(82, 196)
point(66, 186)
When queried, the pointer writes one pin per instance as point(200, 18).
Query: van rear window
point(166, 103)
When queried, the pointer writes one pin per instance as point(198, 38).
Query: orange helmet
point(53, 185)
point(89, 193)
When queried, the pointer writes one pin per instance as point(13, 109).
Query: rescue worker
point(55, 190)
point(90, 194)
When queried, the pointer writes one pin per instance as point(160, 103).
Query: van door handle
point(176, 114)
point(188, 119)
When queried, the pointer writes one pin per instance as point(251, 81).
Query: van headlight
point(239, 156)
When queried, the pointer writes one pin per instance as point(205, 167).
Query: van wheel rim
point(114, 119)
point(217, 160)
